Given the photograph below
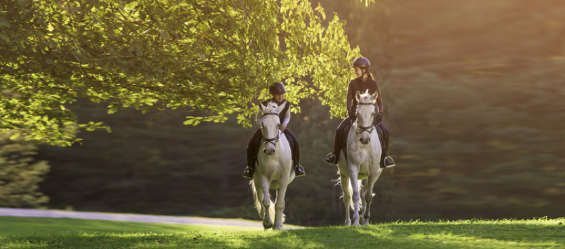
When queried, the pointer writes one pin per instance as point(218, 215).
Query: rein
point(275, 139)
point(360, 128)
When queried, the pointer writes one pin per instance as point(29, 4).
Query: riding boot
point(252, 150)
point(295, 150)
point(332, 157)
point(386, 160)
point(248, 171)
point(299, 170)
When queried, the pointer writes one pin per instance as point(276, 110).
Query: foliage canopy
point(213, 55)
point(20, 174)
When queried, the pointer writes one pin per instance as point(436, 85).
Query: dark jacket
point(358, 85)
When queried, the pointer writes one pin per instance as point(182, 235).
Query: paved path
point(126, 217)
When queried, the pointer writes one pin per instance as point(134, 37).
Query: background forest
point(473, 95)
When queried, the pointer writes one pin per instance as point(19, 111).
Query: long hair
point(366, 71)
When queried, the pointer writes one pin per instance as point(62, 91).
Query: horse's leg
point(369, 197)
point(345, 188)
point(267, 221)
point(363, 204)
point(353, 176)
point(279, 205)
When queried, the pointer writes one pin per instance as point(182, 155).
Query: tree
point(213, 55)
point(19, 176)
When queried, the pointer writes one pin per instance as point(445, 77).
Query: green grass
point(26, 226)
point(537, 233)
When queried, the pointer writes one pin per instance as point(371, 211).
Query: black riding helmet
point(361, 62)
point(277, 88)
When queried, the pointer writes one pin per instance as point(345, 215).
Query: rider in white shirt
point(277, 90)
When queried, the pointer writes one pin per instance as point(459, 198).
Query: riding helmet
point(361, 62)
point(277, 88)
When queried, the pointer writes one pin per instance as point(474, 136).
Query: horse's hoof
point(356, 225)
point(268, 227)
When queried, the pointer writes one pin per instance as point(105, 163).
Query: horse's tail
point(257, 203)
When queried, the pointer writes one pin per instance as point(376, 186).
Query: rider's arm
point(350, 96)
point(286, 118)
point(379, 99)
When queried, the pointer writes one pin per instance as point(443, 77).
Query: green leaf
point(14, 136)
point(23, 2)
point(4, 21)
point(164, 34)
point(146, 110)
point(5, 37)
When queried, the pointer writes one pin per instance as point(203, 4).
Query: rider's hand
point(282, 127)
point(379, 118)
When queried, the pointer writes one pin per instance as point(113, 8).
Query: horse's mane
point(271, 107)
point(365, 97)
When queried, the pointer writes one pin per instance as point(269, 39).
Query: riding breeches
point(255, 144)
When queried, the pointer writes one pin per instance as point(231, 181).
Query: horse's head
point(365, 115)
point(270, 126)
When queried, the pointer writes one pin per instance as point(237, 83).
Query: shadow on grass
point(390, 235)
point(421, 235)
point(444, 235)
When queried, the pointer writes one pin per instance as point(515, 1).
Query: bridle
point(275, 139)
point(360, 128)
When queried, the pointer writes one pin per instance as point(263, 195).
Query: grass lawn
point(537, 233)
point(28, 226)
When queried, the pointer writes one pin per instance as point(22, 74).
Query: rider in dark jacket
point(278, 91)
point(362, 83)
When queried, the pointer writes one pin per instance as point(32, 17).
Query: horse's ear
point(374, 97)
point(281, 107)
point(262, 107)
point(358, 96)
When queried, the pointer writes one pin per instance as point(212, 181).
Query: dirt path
point(126, 217)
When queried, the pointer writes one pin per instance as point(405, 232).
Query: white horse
point(363, 156)
point(273, 169)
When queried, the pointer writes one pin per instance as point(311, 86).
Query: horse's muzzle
point(364, 141)
point(269, 152)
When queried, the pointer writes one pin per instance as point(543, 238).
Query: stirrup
point(330, 158)
point(299, 171)
point(389, 163)
point(248, 173)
